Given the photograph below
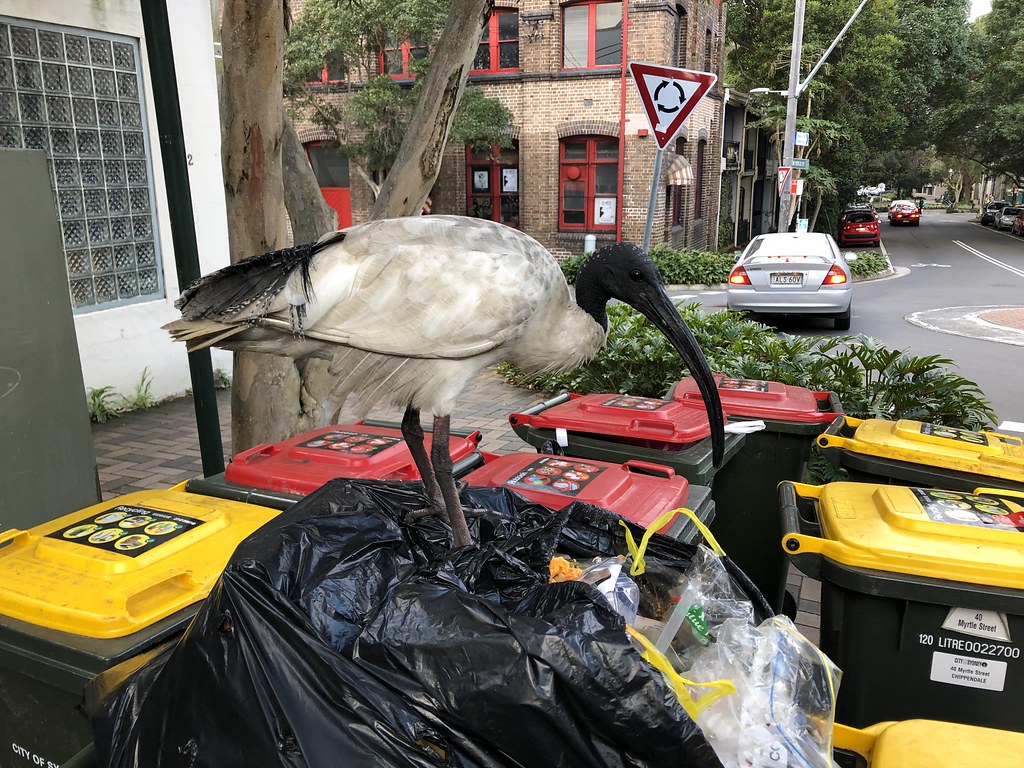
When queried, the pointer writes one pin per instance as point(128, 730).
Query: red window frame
point(491, 38)
point(698, 184)
point(325, 73)
point(572, 170)
point(679, 192)
point(495, 194)
point(406, 47)
point(591, 34)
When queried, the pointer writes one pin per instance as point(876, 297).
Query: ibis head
point(624, 272)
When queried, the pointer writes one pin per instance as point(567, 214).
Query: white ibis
point(408, 310)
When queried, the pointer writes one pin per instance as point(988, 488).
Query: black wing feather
point(255, 280)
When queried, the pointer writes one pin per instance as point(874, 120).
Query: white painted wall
point(117, 344)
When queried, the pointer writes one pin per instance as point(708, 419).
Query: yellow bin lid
point(933, 744)
point(975, 538)
point(115, 568)
point(981, 453)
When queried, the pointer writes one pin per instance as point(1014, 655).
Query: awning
point(678, 172)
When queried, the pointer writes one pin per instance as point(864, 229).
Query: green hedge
point(868, 263)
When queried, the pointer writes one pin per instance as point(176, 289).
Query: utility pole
point(792, 97)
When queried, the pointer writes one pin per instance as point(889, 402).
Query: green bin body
point(944, 641)
point(745, 490)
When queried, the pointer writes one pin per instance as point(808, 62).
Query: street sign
point(801, 225)
point(668, 95)
point(784, 173)
point(798, 188)
point(802, 139)
point(800, 163)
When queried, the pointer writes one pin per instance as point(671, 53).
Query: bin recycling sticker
point(637, 403)
point(967, 509)
point(127, 529)
point(745, 385)
point(352, 443)
point(951, 433)
point(555, 474)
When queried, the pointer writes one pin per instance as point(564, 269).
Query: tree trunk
point(308, 212)
point(419, 159)
point(265, 393)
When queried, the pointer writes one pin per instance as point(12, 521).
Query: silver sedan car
point(798, 273)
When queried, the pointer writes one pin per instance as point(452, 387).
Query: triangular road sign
point(784, 173)
point(669, 96)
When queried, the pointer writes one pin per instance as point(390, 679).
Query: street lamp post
point(792, 97)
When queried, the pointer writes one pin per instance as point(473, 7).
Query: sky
point(979, 7)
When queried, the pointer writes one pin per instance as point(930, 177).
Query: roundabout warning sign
point(669, 95)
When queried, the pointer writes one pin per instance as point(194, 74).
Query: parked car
point(1018, 223)
point(858, 225)
point(988, 216)
point(904, 212)
point(1005, 218)
point(792, 273)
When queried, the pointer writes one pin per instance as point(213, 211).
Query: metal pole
point(792, 96)
point(831, 48)
point(653, 198)
point(183, 226)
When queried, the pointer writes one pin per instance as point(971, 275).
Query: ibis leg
point(441, 458)
point(412, 431)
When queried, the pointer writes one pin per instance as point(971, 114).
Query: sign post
point(668, 96)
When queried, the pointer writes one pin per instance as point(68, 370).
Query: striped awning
point(678, 172)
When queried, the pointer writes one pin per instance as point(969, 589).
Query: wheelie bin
point(907, 452)
point(747, 524)
point(637, 490)
point(922, 598)
point(619, 428)
point(279, 474)
point(89, 590)
point(927, 744)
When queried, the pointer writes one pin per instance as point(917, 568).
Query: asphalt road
point(949, 269)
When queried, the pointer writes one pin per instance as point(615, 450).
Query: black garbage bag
point(339, 635)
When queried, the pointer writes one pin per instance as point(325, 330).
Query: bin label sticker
point(960, 508)
point(745, 385)
point(127, 529)
point(351, 443)
point(968, 671)
point(555, 474)
point(31, 758)
point(952, 433)
point(637, 403)
point(969, 621)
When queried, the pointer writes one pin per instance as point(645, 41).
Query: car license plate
point(787, 278)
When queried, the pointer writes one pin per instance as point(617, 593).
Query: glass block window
point(76, 95)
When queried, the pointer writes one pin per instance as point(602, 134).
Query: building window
point(397, 58)
point(708, 48)
point(698, 193)
point(330, 167)
point(334, 70)
point(492, 184)
point(679, 191)
point(682, 34)
point(77, 95)
point(499, 46)
point(588, 183)
point(591, 35)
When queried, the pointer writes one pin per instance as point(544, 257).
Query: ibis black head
point(624, 272)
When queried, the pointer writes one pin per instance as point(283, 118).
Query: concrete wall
point(116, 344)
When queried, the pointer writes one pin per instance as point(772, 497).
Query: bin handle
point(794, 540)
point(13, 534)
point(859, 740)
point(832, 437)
point(155, 598)
point(263, 449)
point(828, 402)
point(523, 417)
point(661, 469)
point(1004, 492)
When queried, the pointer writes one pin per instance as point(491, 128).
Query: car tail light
point(739, 276)
point(835, 276)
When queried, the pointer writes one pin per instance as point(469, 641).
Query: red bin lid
point(302, 464)
point(625, 416)
point(757, 399)
point(557, 481)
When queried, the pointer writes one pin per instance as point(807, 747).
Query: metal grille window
point(76, 95)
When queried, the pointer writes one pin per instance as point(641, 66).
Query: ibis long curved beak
point(659, 309)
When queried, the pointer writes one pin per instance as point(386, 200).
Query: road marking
point(1011, 426)
point(943, 266)
point(965, 321)
point(990, 260)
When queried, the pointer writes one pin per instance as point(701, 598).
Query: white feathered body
point(407, 310)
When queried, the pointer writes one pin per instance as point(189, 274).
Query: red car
point(859, 227)
point(905, 212)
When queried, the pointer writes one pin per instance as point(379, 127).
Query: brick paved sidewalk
point(145, 450)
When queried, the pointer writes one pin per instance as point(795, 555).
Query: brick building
point(583, 160)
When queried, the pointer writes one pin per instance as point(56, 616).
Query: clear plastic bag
point(622, 593)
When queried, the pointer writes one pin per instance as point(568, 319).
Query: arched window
point(588, 183)
point(492, 184)
point(698, 192)
point(709, 64)
point(678, 213)
point(682, 35)
point(591, 35)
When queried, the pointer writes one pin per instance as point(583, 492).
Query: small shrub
point(571, 267)
point(676, 267)
point(101, 404)
point(868, 263)
point(221, 379)
point(142, 398)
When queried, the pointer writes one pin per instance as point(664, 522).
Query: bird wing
point(430, 287)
